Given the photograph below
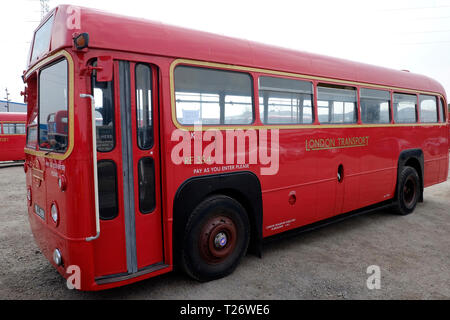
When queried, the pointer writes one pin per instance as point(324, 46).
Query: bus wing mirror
point(104, 69)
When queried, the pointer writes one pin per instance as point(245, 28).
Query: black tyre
point(408, 191)
point(216, 238)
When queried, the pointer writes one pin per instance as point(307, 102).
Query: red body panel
point(12, 145)
point(370, 170)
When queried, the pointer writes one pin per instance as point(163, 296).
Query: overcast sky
point(399, 34)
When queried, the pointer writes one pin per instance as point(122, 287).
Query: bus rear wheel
point(216, 238)
point(408, 192)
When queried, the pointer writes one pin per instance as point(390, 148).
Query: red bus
point(57, 129)
point(12, 136)
point(186, 149)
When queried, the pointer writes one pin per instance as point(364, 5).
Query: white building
point(13, 106)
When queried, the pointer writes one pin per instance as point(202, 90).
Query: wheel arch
point(244, 187)
point(412, 158)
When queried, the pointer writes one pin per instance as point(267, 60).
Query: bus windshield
point(41, 42)
point(53, 131)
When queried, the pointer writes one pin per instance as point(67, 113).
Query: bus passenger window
point(104, 106)
point(144, 106)
point(442, 109)
point(14, 128)
point(32, 136)
point(405, 106)
point(428, 109)
point(20, 128)
point(375, 106)
point(32, 131)
point(285, 101)
point(208, 96)
point(9, 128)
point(336, 104)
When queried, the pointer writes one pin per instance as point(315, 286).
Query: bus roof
point(114, 32)
point(13, 116)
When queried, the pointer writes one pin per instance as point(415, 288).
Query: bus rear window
point(53, 114)
point(41, 43)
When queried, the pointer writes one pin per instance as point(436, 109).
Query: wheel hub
point(218, 239)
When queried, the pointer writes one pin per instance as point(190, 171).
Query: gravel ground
point(331, 263)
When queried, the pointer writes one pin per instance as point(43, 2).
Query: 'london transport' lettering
point(335, 143)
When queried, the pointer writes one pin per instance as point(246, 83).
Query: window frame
point(443, 107)
point(151, 104)
point(331, 84)
point(261, 107)
point(390, 110)
point(153, 208)
point(251, 76)
point(113, 96)
point(436, 99)
point(256, 72)
point(32, 58)
point(6, 126)
point(31, 78)
point(27, 144)
point(14, 124)
point(38, 102)
point(116, 190)
point(416, 107)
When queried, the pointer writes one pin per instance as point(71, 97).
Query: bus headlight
point(62, 183)
point(57, 257)
point(55, 213)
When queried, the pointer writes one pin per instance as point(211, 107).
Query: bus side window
point(375, 106)
point(337, 104)
point(285, 101)
point(210, 96)
point(104, 106)
point(405, 106)
point(428, 109)
point(32, 131)
point(7, 129)
point(442, 109)
point(20, 128)
point(13, 128)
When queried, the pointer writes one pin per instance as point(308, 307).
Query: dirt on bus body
point(336, 262)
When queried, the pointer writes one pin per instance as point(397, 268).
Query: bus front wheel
point(408, 192)
point(216, 238)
